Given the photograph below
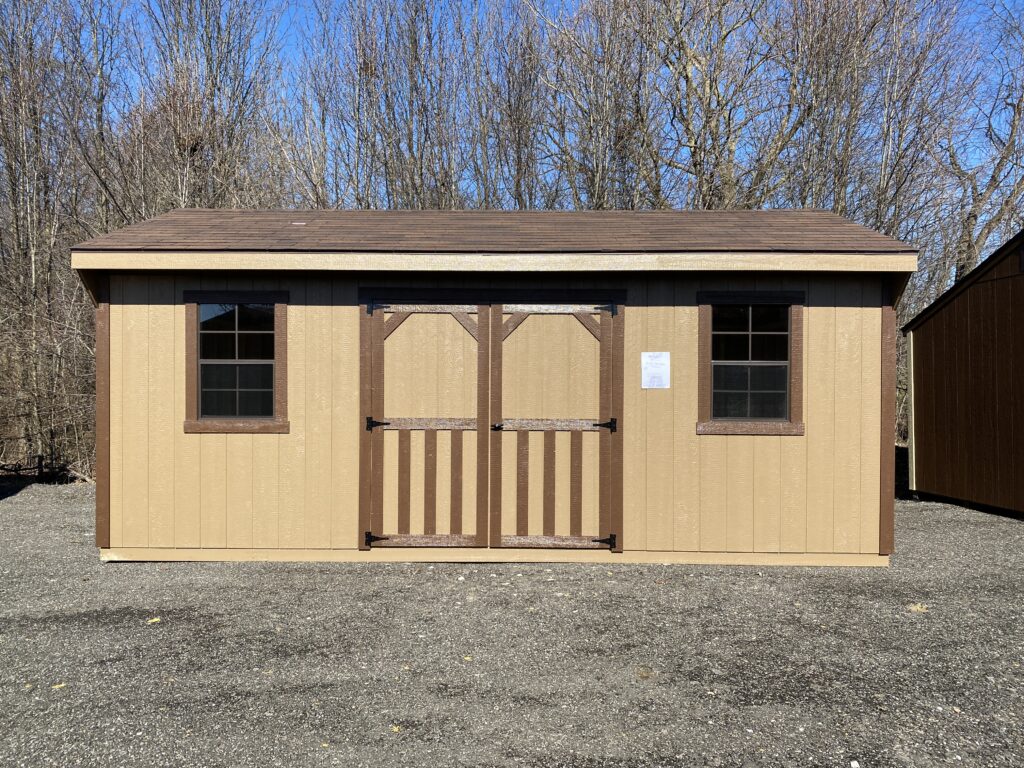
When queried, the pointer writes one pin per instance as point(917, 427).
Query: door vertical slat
point(576, 484)
point(522, 483)
point(549, 483)
point(430, 482)
point(497, 336)
point(617, 404)
point(483, 322)
point(605, 406)
point(456, 482)
point(404, 490)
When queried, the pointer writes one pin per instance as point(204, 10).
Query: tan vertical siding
point(683, 492)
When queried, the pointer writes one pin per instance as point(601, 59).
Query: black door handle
point(497, 427)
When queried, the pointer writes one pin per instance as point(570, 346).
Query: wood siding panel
point(160, 429)
point(820, 415)
point(135, 410)
point(847, 403)
point(117, 312)
point(660, 417)
point(682, 491)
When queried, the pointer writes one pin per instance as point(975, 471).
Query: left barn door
point(423, 400)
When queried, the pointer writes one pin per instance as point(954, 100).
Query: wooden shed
point(713, 387)
point(966, 355)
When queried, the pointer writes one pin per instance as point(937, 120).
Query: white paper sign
point(655, 370)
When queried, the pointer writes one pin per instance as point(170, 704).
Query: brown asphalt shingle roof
point(797, 231)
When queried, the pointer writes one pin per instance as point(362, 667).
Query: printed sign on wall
point(655, 370)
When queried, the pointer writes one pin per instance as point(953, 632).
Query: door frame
point(373, 331)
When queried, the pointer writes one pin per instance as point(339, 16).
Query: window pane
point(729, 405)
point(768, 317)
point(257, 317)
point(255, 346)
point(218, 402)
point(217, 346)
point(730, 317)
point(258, 403)
point(218, 376)
point(768, 405)
point(768, 378)
point(730, 377)
point(730, 347)
point(216, 317)
point(255, 377)
point(769, 347)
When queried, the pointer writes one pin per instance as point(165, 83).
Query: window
point(751, 363)
point(236, 361)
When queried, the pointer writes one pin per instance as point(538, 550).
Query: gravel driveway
point(573, 665)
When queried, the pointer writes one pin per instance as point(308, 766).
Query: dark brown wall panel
point(968, 411)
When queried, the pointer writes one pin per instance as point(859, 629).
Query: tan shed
point(705, 387)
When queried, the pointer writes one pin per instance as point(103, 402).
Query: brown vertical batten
point(618, 411)
point(549, 483)
point(605, 439)
point(483, 427)
point(575, 483)
point(404, 478)
point(497, 337)
point(887, 475)
point(456, 482)
point(102, 468)
point(522, 483)
point(365, 409)
point(377, 411)
point(430, 482)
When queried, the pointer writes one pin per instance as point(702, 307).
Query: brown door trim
point(102, 465)
point(378, 319)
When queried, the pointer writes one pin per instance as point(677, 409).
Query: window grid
point(749, 364)
point(237, 364)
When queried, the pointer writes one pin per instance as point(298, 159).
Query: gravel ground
point(469, 665)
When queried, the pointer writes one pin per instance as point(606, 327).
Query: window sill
point(236, 426)
point(750, 428)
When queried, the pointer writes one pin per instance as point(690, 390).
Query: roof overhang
point(684, 261)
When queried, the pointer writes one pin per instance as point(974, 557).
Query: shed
point(707, 387)
point(966, 355)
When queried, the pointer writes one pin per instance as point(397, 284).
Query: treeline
point(905, 115)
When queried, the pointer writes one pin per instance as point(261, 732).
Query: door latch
point(369, 538)
point(609, 540)
point(610, 425)
point(371, 423)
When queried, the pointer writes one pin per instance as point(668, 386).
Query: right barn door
point(556, 424)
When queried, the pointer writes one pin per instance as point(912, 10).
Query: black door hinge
point(370, 423)
point(369, 538)
point(611, 308)
point(610, 541)
point(611, 425)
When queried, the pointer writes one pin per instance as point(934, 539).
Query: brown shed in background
point(966, 396)
point(481, 386)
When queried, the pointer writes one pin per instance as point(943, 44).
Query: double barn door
point(491, 421)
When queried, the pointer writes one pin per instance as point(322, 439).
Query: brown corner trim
point(887, 490)
point(278, 425)
point(102, 430)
